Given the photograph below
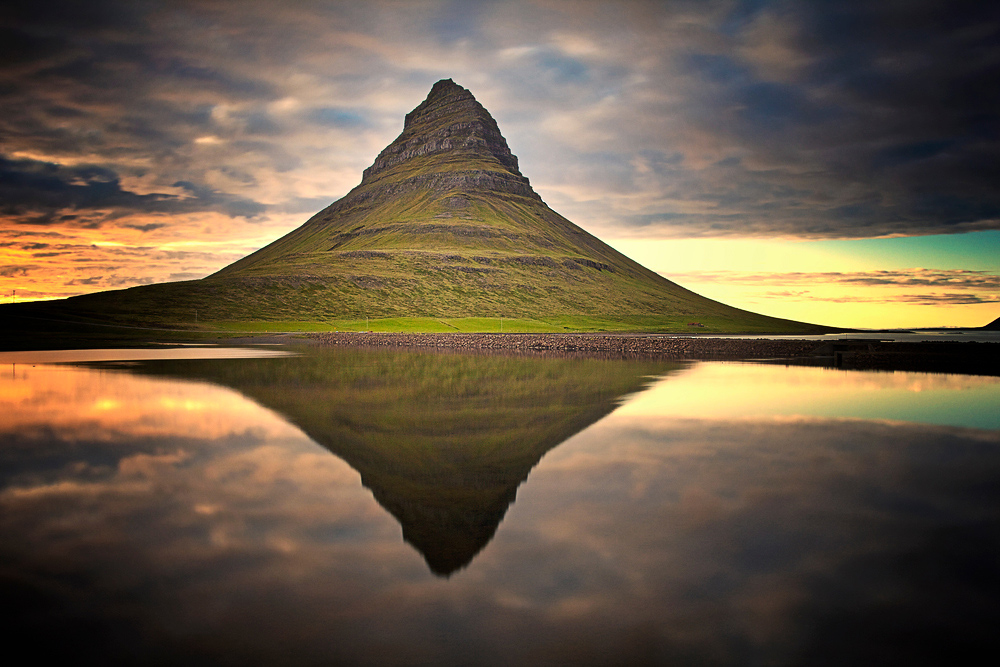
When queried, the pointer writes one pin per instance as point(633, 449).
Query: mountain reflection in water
point(442, 440)
point(152, 514)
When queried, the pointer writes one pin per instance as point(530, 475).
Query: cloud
point(28, 186)
point(186, 275)
point(148, 227)
point(11, 271)
point(704, 529)
point(957, 278)
point(872, 128)
point(950, 298)
point(111, 282)
point(643, 119)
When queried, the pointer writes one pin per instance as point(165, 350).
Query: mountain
point(443, 441)
point(994, 325)
point(442, 225)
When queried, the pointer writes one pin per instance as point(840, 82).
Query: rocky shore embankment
point(602, 344)
point(942, 357)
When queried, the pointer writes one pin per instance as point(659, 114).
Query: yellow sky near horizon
point(811, 282)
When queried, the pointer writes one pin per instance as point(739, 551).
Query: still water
point(368, 507)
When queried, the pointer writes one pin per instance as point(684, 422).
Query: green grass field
point(562, 324)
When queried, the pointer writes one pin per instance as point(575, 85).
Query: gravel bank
point(604, 344)
point(941, 357)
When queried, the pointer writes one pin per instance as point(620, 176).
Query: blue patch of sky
point(563, 68)
point(337, 117)
point(974, 251)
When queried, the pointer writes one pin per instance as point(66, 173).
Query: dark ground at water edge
point(969, 358)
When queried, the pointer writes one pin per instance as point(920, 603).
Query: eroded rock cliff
point(449, 141)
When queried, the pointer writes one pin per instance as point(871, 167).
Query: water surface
point(345, 507)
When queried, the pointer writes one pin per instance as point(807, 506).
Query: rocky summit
point(450, 123)
point(442, 225)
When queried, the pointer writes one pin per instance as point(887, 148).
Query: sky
point(832, 162)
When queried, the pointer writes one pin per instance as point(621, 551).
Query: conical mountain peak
point(450, 127)
point(443, 224)
point(442, 93)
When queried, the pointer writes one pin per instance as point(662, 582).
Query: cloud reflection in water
point(154, 519)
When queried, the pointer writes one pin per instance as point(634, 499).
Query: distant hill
point(443, 225)
point(994, 325)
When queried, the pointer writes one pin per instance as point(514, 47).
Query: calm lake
point(345, 507)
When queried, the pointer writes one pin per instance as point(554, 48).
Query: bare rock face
point(448, 127)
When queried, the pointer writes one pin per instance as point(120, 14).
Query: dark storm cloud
point(847, 119)
point(30, 185)
point(893, 107)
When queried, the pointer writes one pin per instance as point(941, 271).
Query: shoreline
point(965, 357)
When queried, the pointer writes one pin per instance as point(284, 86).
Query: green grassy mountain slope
point(442, 225)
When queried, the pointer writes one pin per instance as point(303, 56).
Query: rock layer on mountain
point(450, 121)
